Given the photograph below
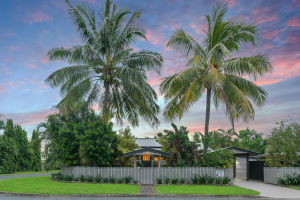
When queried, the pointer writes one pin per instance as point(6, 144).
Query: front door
point(147, 160)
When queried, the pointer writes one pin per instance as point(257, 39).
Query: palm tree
point(105, 71)
point(212, 70)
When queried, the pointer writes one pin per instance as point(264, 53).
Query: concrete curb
point(129, 195)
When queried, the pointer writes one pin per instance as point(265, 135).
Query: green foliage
point(128, 179)
point(135, 181)
point(35, 144)
point(182, 180)
point(183, 151)
point(283, 148)
point(159, 180)
point(120, 180)
point(167, 180)
point(218, 180)
point(202, 179)
point(82, 178)
point(252, 141)
point(174, 180)
point(105, 180)
point(106, 62)
point(213, 71)
point(98, 142)
point(226, 180)
point(126, 144)
point(112, 179)
point(290, 179)
point(218, 159)
point(210, 180)
point(98, 178)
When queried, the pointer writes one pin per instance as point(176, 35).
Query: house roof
point(238, 151)
point(147, 142)
point(143, 150)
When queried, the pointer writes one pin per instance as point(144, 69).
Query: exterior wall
point(271, 173)
point(241, 167)
point(146, 175)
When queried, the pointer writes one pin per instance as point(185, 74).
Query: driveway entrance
point(268, 190)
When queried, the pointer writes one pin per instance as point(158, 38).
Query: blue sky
point(31, 28)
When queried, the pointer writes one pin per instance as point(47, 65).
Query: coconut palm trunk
point(207, 113)
point(106, 86)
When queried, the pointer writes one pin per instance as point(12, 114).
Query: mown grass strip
point(44, 185)
point(204, 189)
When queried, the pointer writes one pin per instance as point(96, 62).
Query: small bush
point(135, 181)
point(218, 180)
point(182, 180)
point(112, 179)
point(68, 178)
point(159, 180)
point(194, 179)
point(98, 178)
point(226, 180)
point(59, 176)
point(167, 180)
point(290, 179)
point(105, 180)
point(90, 179)
point(174, 180)
point(82, 178)
point(202, 179)
point(76, 179)
point(128, 179)
point(210, 180)
point(120, 180)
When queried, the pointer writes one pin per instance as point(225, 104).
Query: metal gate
point(256, 170)
point(147, 175)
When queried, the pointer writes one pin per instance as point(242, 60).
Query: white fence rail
point(271, 173)
point(144, 175)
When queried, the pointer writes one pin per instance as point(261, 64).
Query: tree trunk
point(106, 86)
point(207, 116)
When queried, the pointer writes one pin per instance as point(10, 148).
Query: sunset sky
point(30, 28)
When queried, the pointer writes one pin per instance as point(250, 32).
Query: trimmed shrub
point(82, 178)
point(98, 178)
point(226, 180)
point(90, 178)
point(174, 180)
point(120, 180)
point(128, 179)
point(159, 180)
point(182, 180)
point(202, 179)
point(112, 179)
point(167, 180)
point(218, 180)
point(210, 180)
point(105, 180)
point(194, 178)
point(135, 181)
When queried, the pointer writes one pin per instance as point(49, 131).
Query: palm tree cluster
point(107, 72)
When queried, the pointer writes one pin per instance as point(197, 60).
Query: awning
point(148, 151)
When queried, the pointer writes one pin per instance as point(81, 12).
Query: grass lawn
point(294, 187)
point(44, 185)
point(32, 172)
point(203, 189)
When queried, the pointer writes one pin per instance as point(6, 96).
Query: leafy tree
point(8, 154)
point(58, 134)
point(105, 62)
point(182, 149)
point(24, 157)
point(252, 141)
point(213, 71)
point(1, 124)
point(35, 144)
point(283, 148)
point(98, 142)
point(126, 143)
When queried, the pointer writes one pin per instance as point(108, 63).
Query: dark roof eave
point(130, 154)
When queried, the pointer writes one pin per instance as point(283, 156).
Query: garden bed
point(44, 185)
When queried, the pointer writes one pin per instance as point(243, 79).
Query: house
point(149, 154)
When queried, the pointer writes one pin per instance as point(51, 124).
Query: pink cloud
point(155, 38)
point(5, 70)
point(8, 34)
point(232, 3)
point(33, 66)
point(27, 89)
point(294, 22)
point(15, 48)
point(31, 118)
point(268, 46)
point(265, 15)
point(40, 84)
point(269, 35)
point(60, 4)
point(38, 16)
point(2, 89)
point(45, 60)
point(8, 83)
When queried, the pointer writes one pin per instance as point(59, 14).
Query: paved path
point(148, 189)
point(23, 175)
point(268, 190)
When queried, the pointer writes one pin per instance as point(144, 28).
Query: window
point(146, 157)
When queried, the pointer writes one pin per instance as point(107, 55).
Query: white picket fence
point(145, 175)
point(271, 173)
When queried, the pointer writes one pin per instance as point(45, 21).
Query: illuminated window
point(155, 158)
point(146, 158)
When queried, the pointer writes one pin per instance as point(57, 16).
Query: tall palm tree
point(211, 70)
point(105, 71)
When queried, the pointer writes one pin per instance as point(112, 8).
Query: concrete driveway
point(268, 190)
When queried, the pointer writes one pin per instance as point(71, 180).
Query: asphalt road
point(111, 198)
